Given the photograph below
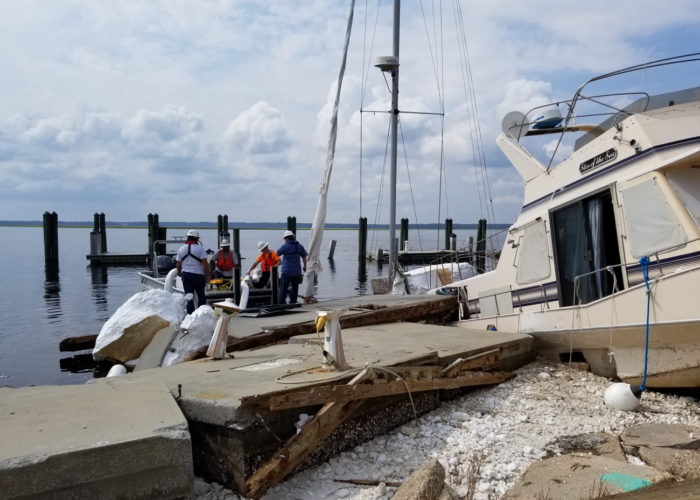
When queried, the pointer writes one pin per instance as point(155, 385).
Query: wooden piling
point(331, 250)
point(448, 233)
point(404, 234)
point(480, 259)
point(95, 237)
point(103, 233)
point(51, 245)
point(362, 239)
point(292, 224)
point(236, 269)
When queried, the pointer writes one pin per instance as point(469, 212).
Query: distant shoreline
point(301, 226)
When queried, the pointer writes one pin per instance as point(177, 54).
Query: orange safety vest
point(225, 262)
point(268, 260)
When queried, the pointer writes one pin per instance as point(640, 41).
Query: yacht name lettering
point(596, 161)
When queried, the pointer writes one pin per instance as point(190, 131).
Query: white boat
point(607, 237)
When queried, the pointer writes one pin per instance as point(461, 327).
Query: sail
point(313, 260)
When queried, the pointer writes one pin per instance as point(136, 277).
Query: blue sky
point(191, 109)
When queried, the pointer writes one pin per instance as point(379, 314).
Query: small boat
point(603, 263)
point(163, 276)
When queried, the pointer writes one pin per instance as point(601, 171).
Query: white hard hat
point(262, 244)
point(225, 243)
point(193, 232)
point(288, 233)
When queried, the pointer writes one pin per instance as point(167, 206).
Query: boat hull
point(611, 333)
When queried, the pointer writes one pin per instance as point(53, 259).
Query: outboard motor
point(164, 263)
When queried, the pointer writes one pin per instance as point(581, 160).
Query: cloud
point(134, 107)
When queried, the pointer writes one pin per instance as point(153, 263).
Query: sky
point(195, 108)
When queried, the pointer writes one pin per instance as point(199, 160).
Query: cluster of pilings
point(475, 256)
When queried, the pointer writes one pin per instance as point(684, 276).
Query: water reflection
point(362, 277)
point(99, 277)
point(331, 266)
point(52, 297)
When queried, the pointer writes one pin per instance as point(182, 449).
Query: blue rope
point(644, 264)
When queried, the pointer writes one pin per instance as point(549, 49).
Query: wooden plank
point(263, 400)
point(482, 361)
point(300, 445)
point(344, 393)
point(77, 343)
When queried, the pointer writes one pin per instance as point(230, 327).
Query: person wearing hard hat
point(191, 264)
point(267, 260)
point(292, 252)
point(225, 261)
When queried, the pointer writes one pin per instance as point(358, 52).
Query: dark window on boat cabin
point(585, 243)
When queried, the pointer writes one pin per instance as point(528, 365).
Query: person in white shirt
point(192, 265)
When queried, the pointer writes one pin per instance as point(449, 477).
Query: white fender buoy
point(621, 396)
point(116, 370)
point(170, 280)
point(245, 291)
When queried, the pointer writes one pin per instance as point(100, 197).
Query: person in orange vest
point(225, 260)
point(267, 260)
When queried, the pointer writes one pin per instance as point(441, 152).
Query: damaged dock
point(242, 412)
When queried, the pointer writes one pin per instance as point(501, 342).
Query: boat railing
point(578, 95)
point(154, 251)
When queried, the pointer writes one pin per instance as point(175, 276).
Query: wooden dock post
point(95, 236)
point(292, 224)
point(51, 245)
point(362, 239)
point(404, 235)
point(331, 250)
point(480, 260)
point(448, 234)
point(236, 269)
point(103, 233)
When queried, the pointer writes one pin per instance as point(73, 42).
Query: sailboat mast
point(393, 251)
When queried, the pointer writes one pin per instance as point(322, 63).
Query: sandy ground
point(511, 425)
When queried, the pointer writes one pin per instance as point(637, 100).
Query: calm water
point(37, 314)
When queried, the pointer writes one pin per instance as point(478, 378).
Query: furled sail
point(313, 260)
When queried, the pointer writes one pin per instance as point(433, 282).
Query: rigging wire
point(410, 185)
point(438, 65)
point(363, 80)
point(477, 137)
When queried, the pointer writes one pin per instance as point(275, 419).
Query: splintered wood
point(341, 400)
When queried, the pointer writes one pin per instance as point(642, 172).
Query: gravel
point(509, 426)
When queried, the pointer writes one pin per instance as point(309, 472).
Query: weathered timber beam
point(77, 343)
point(484, 361)
point(369, 482)
point(344, 393)
point(300, 445)
point(263, 400)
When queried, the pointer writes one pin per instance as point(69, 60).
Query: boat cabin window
point(585, 244)
point(533, 260)
point(686, 185)
point(652, 226)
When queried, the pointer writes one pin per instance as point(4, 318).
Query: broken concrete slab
point(152, 355)
point(94, 441)
point(598, 443)
point(427, 483)
point(590, 475)
point(673, 448)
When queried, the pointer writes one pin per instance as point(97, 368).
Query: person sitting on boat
point(292, 252)
point(267, 260)
point(224, 261)
point(191, 264)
